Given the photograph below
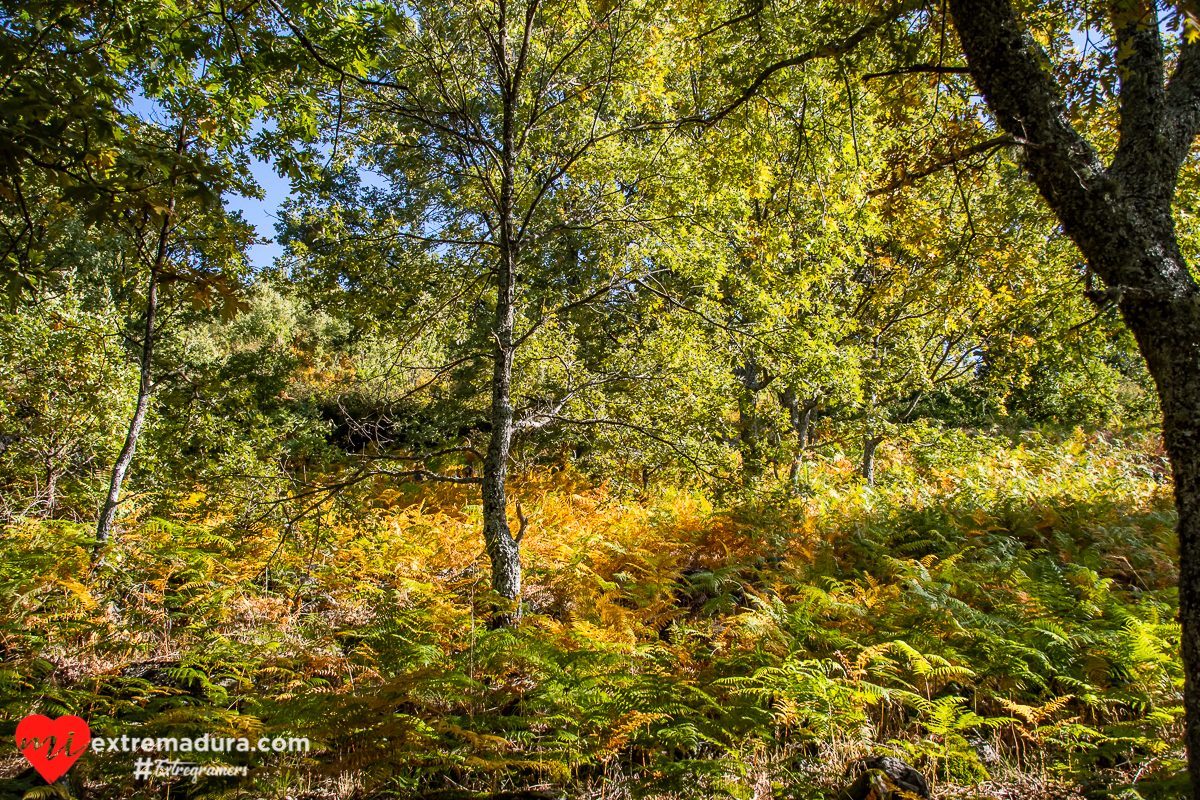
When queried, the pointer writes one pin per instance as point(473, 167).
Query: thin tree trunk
point(800, 416)
point(754, 379)
point(145, 388)
point(868, 463)
point(51, 490)
point(503, 550)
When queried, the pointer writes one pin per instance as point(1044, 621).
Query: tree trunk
point(1169, 338)
point(868, 463)
point(1120, 218)
point(108, 512)
point(51, 489)
point(503, 550)
point(754, 379)
point(803, 424)
point(800, 416)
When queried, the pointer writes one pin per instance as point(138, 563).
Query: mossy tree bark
point(1119, 215)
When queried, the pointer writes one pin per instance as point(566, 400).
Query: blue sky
point(262, 213)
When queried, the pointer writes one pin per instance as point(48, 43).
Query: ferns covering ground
point(1000, 614)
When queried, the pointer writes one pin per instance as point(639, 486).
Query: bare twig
point(917, 69)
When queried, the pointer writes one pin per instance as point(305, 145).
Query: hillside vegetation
point(999, 612)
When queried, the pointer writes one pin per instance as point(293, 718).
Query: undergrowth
point(994, 614)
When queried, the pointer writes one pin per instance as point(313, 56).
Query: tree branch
point(424, 457)
point(828, 50)
point(1182, 122)
point(536, 420)
point(1008, 67)
point(916, 69)
point(643, 432)
point(324, 62)
point(1142, 109)
point(909, 178)
point(753, 12)
point(426, 475)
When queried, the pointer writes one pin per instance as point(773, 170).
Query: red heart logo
point(52, 745)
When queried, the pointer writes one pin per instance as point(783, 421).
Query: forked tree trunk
point(1119, 215)
point(800, 415)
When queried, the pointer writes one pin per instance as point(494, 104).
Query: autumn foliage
point(1001, 612)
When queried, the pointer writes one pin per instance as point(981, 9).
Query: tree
point(177, 238)
point(58, 103)
point(518, 143)
point(69, 68)
point(155, 259)
point(868, 301)
point(64, 389)
point(1119, 212)
point(68, 154)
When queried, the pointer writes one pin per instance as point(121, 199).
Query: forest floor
point(1001, 616)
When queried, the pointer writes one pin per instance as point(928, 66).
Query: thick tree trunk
point(108, 512)
point(503, 550)
point(1119, 215)
point(1169, 338)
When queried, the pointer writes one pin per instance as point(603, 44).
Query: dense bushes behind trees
point(285, 385)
